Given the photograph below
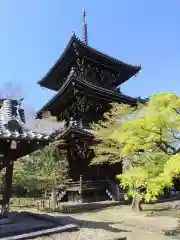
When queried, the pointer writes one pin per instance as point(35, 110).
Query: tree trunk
point(136, 204)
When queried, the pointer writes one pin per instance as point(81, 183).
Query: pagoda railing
point(82, 185)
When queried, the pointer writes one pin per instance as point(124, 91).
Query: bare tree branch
point(11, 91)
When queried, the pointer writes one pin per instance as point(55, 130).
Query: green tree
point(41, 170)
point(148, 139)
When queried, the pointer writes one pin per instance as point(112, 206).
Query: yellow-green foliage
point(40, 170)
point(108, 151)
point(153, 128)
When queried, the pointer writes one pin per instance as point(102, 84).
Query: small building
point(16, 140)
point(86, 81)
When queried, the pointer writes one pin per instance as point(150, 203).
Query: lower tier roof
point(67, 137)
point(65, 132)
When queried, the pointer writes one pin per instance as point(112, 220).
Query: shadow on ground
point(88, 207)
point(92, 224)
point(163, 209)
point(32, 223)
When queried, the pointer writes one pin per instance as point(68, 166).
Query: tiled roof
point(110, 61)
point(115, 96)
point(13, 124)
point(73, 128)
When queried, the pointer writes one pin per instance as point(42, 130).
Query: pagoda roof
point(63, 65)
point(64, 133)
point(65, 94)
point(67, 135)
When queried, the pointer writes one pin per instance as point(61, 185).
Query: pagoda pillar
point(80, 189)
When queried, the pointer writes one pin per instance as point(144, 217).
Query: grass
point(28, 203)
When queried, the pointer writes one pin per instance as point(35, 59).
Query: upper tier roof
point(63, 65)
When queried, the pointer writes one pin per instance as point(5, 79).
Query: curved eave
point(73, 130)
point(110, 61)
point(100, 92)
point(65, 60)
point(24, 147)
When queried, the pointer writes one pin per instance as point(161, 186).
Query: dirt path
point(119, 222)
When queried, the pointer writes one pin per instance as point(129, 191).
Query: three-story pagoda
point(86, 81)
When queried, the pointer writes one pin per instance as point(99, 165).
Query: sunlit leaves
point(153, 128)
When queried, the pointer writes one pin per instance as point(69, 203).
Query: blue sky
point(33, 33)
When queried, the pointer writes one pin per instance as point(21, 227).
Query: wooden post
point(117, 193)
point(45, 194)
point(53, 199)
point(80, 189)
point(7, 188)
point(95, 196)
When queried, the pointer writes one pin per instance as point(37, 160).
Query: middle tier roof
point(65, 95)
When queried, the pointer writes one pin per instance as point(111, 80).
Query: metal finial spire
point(84, 28)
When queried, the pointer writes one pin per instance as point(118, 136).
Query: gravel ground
point(120, 222)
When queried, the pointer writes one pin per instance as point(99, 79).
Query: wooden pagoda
point(16, 140)
point(86, 81)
